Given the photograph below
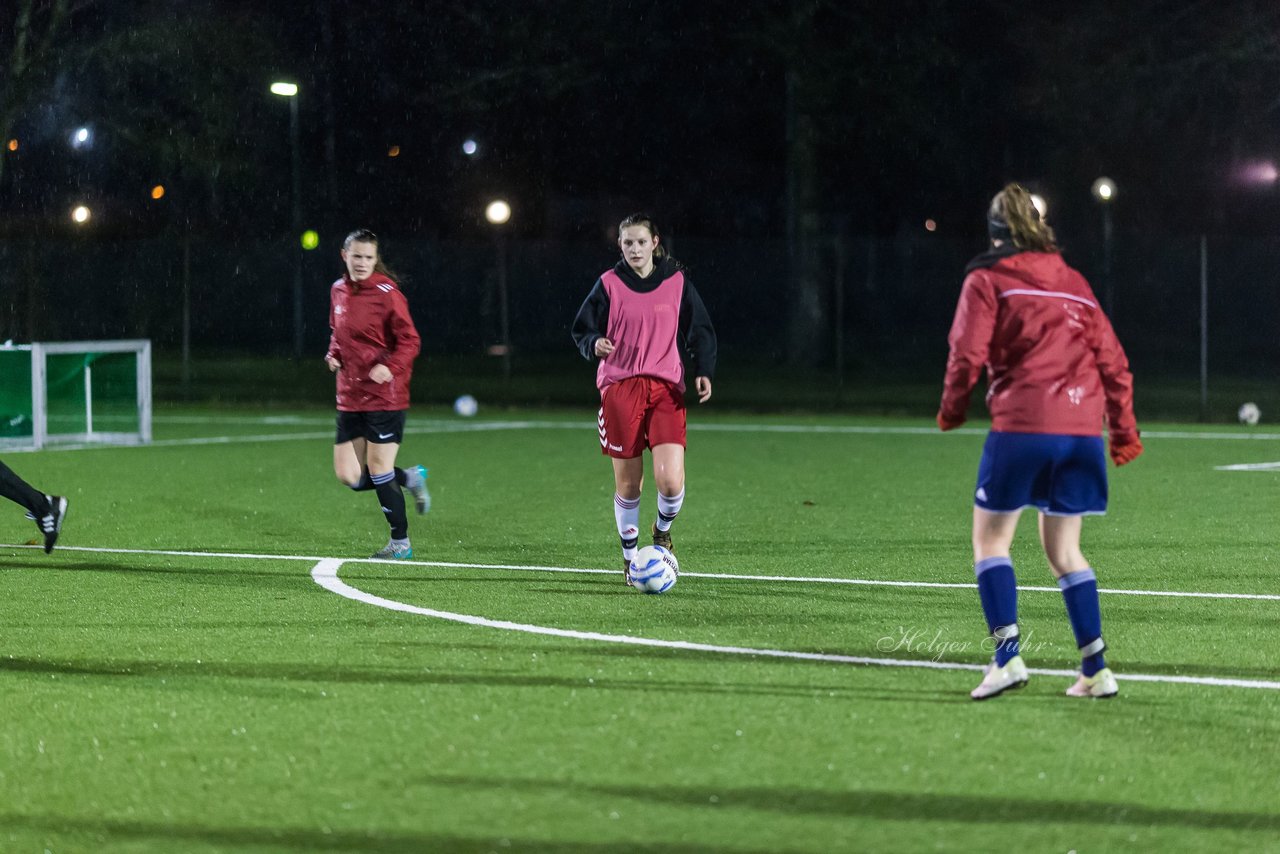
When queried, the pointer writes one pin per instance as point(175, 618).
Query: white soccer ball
point(654, 570)
point(466, 406)
point(1249, 413)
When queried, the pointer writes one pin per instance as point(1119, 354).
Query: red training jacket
point(371, 326)
point(1054, 364)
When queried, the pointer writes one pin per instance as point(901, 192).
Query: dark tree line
point(787, 120)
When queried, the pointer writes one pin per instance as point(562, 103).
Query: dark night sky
point(584, 110)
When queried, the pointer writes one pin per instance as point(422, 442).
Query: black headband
point(998, 229)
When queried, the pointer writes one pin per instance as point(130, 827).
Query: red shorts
point(638, 413)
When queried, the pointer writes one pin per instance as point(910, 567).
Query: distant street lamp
point(498, 212)
point(1104, 190)
point(80, 214)
point(290, 91)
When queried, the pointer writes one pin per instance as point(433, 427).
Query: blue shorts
point(1058, 475)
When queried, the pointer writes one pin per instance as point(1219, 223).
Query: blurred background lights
point(393, 151)
point(157, 192)
point(310, 239)
point(13, 145)
point(497, 212)
point(81, 137)
point(930, 225)
point(470, 147)
point(80, 214)
point(1041, 205)
point(287, 90)
point(1104, 189)
point(1261, 173)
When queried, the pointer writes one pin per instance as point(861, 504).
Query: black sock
point(402, 477)
point(392, 501)
point(19, 491)
point(364, 484)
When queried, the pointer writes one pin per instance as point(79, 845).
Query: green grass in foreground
point(159, 702)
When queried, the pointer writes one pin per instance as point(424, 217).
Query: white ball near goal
point(1249, 413)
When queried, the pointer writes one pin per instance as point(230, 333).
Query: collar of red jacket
point(372, 280)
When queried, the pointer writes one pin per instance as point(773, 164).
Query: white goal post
point(91, 392)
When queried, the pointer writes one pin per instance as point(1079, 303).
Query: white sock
point(626, 512)
point(668, 507)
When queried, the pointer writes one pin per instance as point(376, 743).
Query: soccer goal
point(95, 392)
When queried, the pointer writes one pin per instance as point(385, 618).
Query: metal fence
point(888, 304)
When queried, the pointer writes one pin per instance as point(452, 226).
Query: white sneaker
point(997, 680)
point(1100, 685)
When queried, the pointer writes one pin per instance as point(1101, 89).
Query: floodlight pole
point(498, 213)
point(1107, 232)
point(296, 220)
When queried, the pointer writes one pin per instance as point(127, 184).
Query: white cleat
point(997, 680)
point(416, 483)
point(1099, 686)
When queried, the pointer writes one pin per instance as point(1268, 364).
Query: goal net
point(75, 392)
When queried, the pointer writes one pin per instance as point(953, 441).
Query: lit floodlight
point(283, 89)
point(1104, 189)
point(81, 137)
point(470, 147)
point(157, 192)
point(497, 212)
point(80, 214)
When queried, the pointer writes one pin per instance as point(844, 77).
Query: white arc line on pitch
point(325, 573)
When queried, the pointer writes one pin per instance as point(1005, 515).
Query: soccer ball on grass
point(1249, 413)
point(466, 406)
point(654, 570)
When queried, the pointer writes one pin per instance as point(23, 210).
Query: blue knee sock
point(998, 590)
point(1080, 592)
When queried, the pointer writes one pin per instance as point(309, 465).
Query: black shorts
point(377, 428)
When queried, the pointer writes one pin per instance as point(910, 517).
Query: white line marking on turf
point(730, 576)
point(325, 573)
point(1250, 467)
point(442, 426)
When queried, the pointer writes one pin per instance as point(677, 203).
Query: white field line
point(1250, 467)
point(325, 573)
point(728, 576)
point(428, 427)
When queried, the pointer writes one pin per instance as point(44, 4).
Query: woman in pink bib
point(642, 318)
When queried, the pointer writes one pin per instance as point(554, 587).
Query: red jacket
point(371, 326)
point(1053, 362)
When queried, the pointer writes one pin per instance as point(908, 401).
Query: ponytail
point(1014, 218)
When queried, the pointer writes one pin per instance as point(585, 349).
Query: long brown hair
point(364, 235)
point(1012, 211)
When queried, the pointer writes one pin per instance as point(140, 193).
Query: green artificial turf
point(173, 679)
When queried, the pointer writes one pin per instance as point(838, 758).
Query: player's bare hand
point(603, 347)
point(333, 363)
point(703, 387)
point(380, 374)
